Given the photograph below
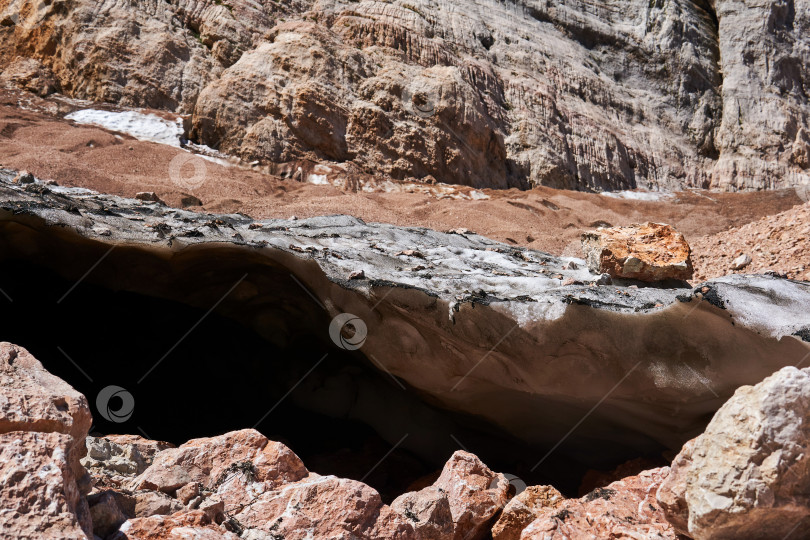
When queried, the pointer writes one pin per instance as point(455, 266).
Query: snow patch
point(639, 195)
point(318, 179)
point(144, 127)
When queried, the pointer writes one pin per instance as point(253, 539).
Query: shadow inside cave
point(194, 373)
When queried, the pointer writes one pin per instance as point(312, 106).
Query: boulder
point(228, 464)
point(43, 422)
point(748, 474)
point(624, 509)
point(40, 497)
point(35, 400)
point(429, 513)
point(523, 509)
point(323, 507)
point(113, 460)
point(154, 503)
point(648, 252)
point(474, 496)
point(195, 524)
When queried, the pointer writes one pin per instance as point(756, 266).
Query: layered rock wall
point(572, 94)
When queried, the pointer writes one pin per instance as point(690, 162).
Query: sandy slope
point(41, 141)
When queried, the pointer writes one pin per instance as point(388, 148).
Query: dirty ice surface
point(144, 127)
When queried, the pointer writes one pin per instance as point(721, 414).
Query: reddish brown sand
point(42, 142)
point(775, 243)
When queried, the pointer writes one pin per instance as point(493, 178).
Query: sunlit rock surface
point(747, 474)
point(649, 252)
point(43, 422)
point(614, 95)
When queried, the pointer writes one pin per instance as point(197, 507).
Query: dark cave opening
point(198, 371)
point(221, 377)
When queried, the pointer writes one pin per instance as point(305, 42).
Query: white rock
point(748, 475)
point(741, 262)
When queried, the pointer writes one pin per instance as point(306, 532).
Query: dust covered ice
point(144, 127)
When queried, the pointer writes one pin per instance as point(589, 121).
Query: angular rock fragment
point(195, 524)
point(429, 512)
point(748, 474)
point(113, 460)
point(43, 422)
point(741, 262)
point(35, 400)
point(648, 252)
point(226, 464)
point(524, 509)
point(323, 507)
point(40, 497)
point(474, 495)
point(624, 509)
point(154, 503)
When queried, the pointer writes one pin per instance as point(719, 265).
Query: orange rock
point(474, 495)
point(429, 512)
point(648, 252)
point(35, 400)
point(43, 423)
point(40, 497)
point(229, 464)
point(324, 507)
point(625, 509)
point(195, 524)
point(523, 509)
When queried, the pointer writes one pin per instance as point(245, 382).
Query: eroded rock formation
point(747, 474)
point(507, 328)
point(648, 252)
point(43, 422)
point(624, 509)
point(566, 94)
point(470, 325)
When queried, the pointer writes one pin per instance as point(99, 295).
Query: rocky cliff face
point(499, 94)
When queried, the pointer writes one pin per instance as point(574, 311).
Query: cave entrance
point(219, 377)
point(203, 351)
